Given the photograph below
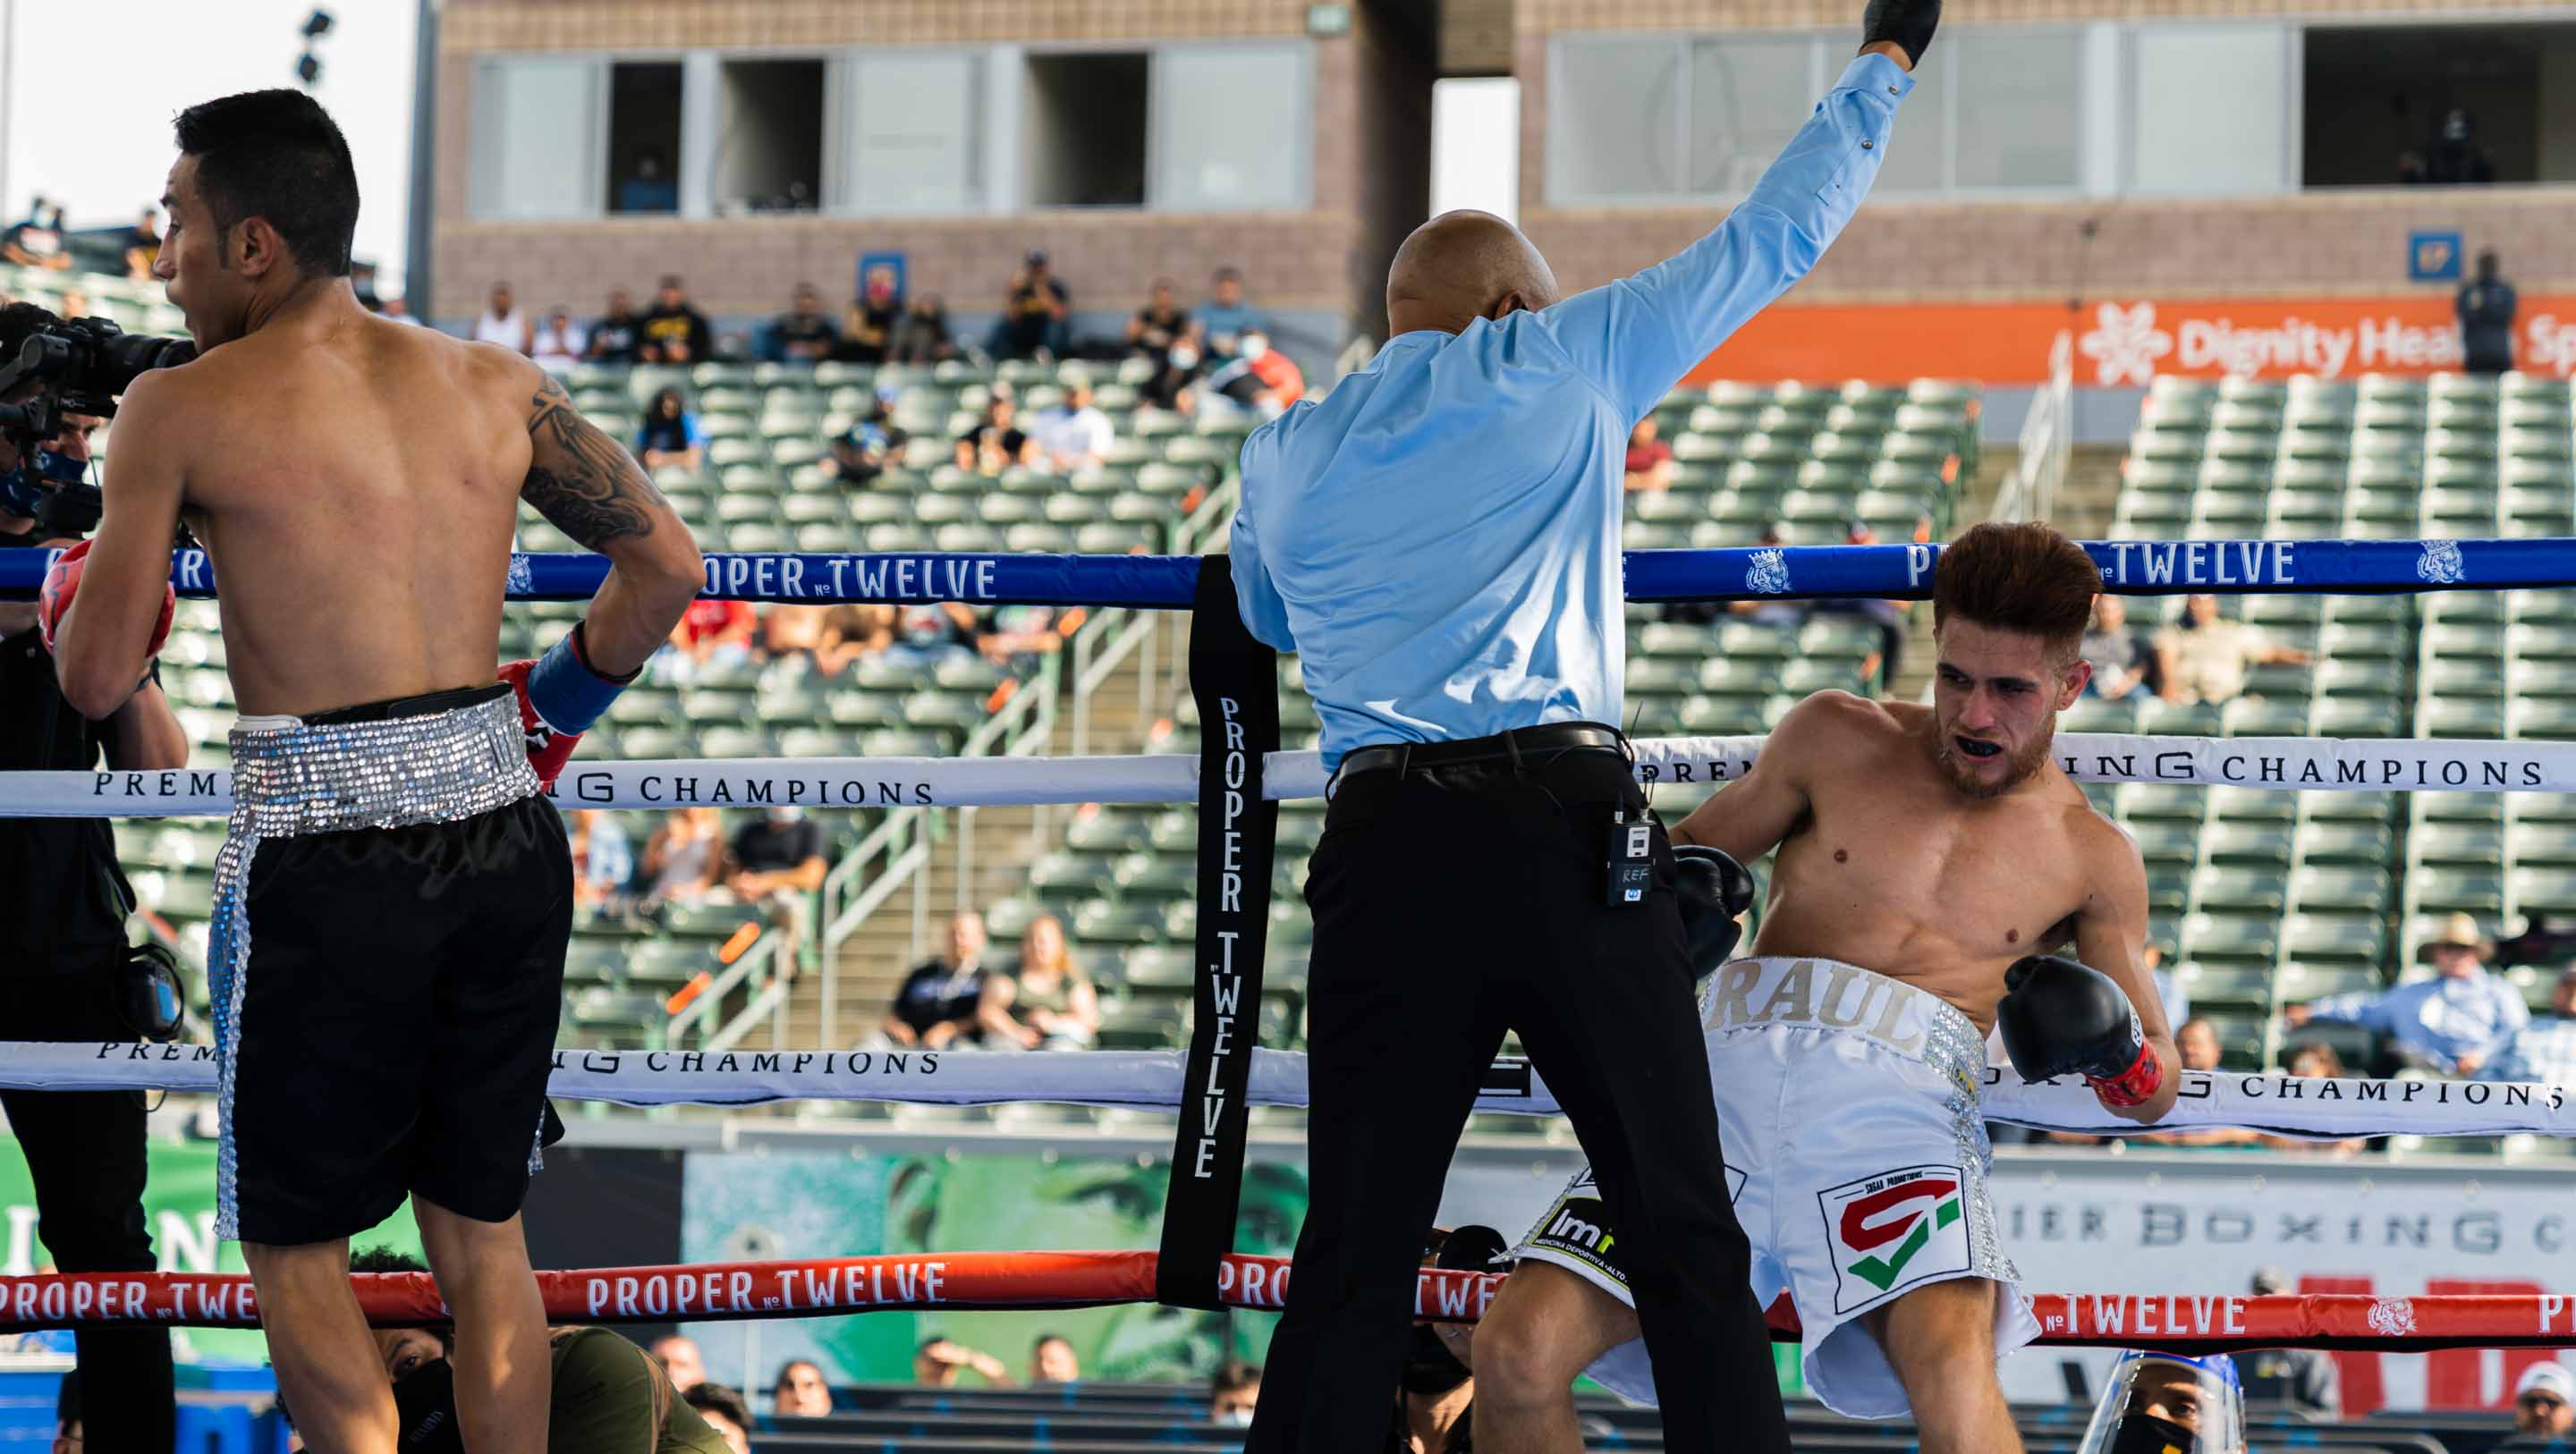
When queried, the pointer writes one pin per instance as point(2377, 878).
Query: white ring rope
point(1150, 1080)
point(2307, 764)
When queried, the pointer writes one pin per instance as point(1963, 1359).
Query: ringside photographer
point(65, 970)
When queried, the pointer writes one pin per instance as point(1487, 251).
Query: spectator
point(929, 634)
point(1034, 313)
point(712, 635)
point(923, 337)
point(670, 437)
point(675, 332)
point(76, 304)
point(800, 1392)
point(725, 1411)
point(803, 334)
point(681, 1359)
point(1051, 1360)
point(996, 442)
point(2544, 1408)
point(1019, 636)
point(863, 452)
point(2314, 1060)
point(2204, 654)
point(1260, 378)
point(2123, 661)
point(618, 333)
point(2452, 1023)
point(2454, 158)
point(939, 1000)
point(38, 241)
point(1882, 665)
point(683, 858)
point(504, 322)
point(143, 245)
point(868, 329)
point(603, 862)
point(851, 633)
point(791, 633)
point(1225, 318)
point(1075, 435)
point(645, 188)
point(561, 343)
point(2169, 990)
point(1435, 1392)
point(1169, 388)
point(2486, 306)
point(778, 868)
point(1232, 1393)
point(2543, 1051)
point(397, 310)
point(1048, 1004)
point(1650, 460)
point(2302, 1379)
point(2197, 1042)
point(1158, 325)
point(938, 1361)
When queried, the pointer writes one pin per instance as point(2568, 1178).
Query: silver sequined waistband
point(1827, 994)
point(291, 777)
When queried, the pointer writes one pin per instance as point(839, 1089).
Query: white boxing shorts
point(1857, 1159)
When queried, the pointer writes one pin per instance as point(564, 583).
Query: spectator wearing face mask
point(2486, 306)
point(2454, 157)
point(1226, 317)
point(868, 328)
point(1232, 1392)
point(1260, 378)
point(1170, 387)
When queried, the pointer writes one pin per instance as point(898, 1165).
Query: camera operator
point(65, 970)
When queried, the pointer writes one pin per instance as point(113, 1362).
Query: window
point(2211, 108)
point(1231, 124)
point(643, 136)
point(2378, 100)
point(1747, 98)
point(770, 150)
point(536, 138)
point(1082, 130)
point(2019, 115)
point(1614, 118)
point(916, 139)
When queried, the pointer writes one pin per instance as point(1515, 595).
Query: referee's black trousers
point(1450, 906)
point(85, 1152)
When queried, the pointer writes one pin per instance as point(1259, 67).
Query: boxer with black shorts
point(393, 902)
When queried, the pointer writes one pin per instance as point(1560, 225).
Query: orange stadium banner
point(2129, 341)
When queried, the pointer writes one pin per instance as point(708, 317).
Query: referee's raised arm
point(1438, 539)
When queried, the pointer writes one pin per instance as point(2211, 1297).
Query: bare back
point(1883, 863)
point(357, 491)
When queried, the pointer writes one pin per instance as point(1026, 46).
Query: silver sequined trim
point(295, 778)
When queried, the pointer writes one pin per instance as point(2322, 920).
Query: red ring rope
point(1001, 1280)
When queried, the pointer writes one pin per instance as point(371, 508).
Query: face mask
point(1429, 1366)
point(1254, 348)
point(1185, 358)
point(1237, 1418)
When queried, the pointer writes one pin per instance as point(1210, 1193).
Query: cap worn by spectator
point(2269, 1281)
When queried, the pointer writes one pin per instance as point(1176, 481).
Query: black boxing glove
point(1909, 23)
point(1714, 891)
point(1473, 1247)
point(2059, 1017)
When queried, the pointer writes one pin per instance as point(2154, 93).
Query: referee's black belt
point(1520, 745)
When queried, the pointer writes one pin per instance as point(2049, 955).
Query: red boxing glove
point(549, 747)
point(2133, 1086)
point(62, 582)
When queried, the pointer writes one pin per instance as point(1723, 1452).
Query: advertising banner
point(2129, 341)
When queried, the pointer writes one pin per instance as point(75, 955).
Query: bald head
point(1462, 266)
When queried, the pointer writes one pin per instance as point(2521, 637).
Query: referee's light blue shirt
point(1438, 537)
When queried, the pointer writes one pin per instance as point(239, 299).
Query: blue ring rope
point(1797, 572)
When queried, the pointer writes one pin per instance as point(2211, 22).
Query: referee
point(1439, 541)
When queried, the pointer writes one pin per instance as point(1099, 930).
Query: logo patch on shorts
point(1894, 1230)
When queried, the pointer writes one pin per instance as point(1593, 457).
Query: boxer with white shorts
point(1925, 859)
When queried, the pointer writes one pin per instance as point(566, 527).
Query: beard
point(1961, 769)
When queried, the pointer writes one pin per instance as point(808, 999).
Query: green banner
point(179, 1208)
point(738, 1206)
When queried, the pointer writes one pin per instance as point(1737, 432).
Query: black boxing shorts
point(392, 908)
